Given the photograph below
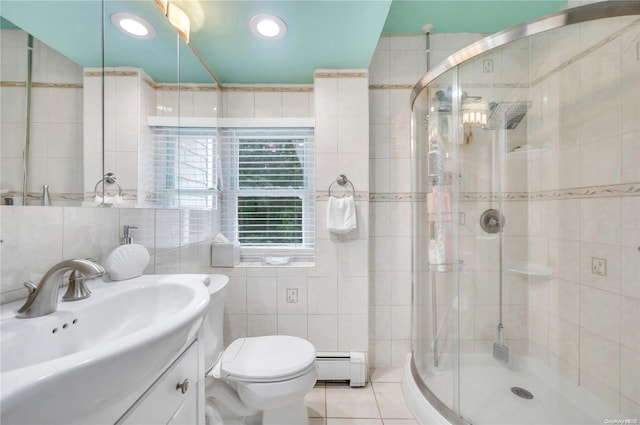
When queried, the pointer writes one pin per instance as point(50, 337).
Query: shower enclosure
point(526, 225)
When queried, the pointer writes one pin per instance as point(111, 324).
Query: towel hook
point(342, 180)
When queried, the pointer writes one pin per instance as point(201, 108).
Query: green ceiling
point(321, 33)
point(450, 16)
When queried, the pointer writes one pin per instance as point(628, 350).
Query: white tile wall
point(331, 311)
point(591, 318)
point(566, 314)
point(398, 60)
point(249, 101)
point(56, 136)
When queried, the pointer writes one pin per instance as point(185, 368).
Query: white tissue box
point(225, 254)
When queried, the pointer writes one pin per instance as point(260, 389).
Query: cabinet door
point(173, 398)
point(187, 413)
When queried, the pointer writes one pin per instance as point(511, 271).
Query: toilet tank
point(213, 329)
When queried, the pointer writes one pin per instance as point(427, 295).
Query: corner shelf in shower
point(529, 269)
point(446, 267)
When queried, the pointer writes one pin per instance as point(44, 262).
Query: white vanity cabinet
point(173, 397)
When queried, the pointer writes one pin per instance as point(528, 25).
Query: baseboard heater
point(343, 366)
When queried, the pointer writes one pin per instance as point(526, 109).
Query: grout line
point(377, 402)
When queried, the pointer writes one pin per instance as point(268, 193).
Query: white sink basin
point(90, 360)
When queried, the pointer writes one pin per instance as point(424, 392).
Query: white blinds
point(183, 163)
point(268, 196)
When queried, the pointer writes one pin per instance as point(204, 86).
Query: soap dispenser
point(127, 239)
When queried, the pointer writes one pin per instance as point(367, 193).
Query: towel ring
point(342, 180)
point(109, 178)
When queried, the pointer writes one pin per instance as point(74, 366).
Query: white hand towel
point(341, 214)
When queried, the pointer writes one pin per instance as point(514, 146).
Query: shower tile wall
point(56, 131)
point(397, 64)
point(583, 324)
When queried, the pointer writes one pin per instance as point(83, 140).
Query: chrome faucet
point(43, 297)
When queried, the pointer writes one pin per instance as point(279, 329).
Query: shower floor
point(486, 397)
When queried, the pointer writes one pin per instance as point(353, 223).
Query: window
point(182, 168)
point(268, 195)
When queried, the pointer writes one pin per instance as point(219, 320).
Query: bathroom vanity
point(128, 354)
point(173, 399)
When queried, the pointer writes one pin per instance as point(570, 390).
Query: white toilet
point(255, 381)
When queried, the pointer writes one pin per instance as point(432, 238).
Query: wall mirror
point(103, 102)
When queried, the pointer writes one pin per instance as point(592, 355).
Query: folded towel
point(341, 214)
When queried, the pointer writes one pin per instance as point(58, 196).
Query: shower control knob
point(492, 221)
point(183, 387)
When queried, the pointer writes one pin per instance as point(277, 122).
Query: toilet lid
point(267, 357)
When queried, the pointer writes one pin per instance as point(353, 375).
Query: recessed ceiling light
point(268, 27)
point(133, 25)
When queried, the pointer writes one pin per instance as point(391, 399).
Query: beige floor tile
point(391, 400)
point(317, 421)
point(386, 374)
point(400, 422)
point(316, 402)
point(333, 421)
point(346, 402)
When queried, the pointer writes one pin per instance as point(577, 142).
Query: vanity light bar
point(177, 17)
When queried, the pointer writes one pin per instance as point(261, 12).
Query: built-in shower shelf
point(529, 269)
point(446, 267)
point(528, 153)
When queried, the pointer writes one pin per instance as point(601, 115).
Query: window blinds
point(268, 197)
point(183, 163)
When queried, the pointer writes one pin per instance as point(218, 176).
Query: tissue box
point(225, 254)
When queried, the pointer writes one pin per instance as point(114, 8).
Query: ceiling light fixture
point(133, 25)
point(268, 27)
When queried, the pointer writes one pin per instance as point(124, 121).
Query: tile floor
point(379, 403)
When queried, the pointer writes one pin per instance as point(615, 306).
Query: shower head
point(426, 28)
point(507, 115)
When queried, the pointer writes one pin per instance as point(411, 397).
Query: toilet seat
point(267, 359)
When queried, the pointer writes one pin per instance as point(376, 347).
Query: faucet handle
point(31, 286)
point(76, 289)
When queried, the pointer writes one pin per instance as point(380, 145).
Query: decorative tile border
point(112, 73)
point(340, 74)
point(359, 196)
point(182, 87)
point(397, 197)
point(608, 191)
point(20, 84)
point(391, 86)
point(270, 89)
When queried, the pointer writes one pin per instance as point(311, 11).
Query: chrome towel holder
point(342, 180)
point(108, 178)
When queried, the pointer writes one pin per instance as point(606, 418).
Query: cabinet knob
point(183, 386)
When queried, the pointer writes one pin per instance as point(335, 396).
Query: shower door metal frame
point(576, 15)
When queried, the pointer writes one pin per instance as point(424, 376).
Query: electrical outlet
point(292, 295)
point(599, 266)
point(487, 66)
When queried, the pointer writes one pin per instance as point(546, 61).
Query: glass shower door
point(436, 261)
